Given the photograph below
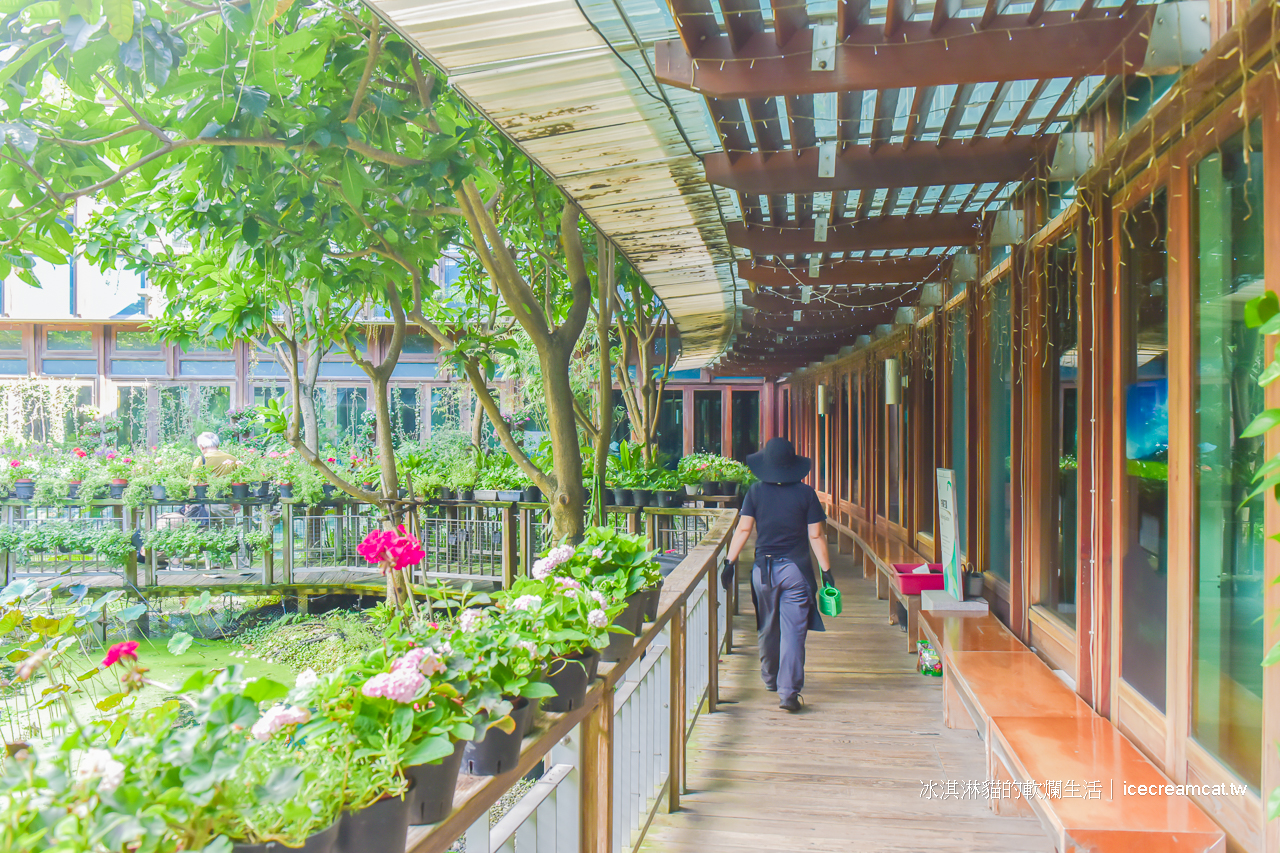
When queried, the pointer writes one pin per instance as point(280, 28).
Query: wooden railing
point(610, 765)
point(477, 541)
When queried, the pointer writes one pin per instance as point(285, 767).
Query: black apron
point(766, 564)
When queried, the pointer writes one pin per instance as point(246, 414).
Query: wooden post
point(509, 546)
point(633, 520)
point(149, 524)
point(596, 794)
point(676, 707)
point(526, 540)
point(268, 550)
point(713, 638)
point(651, 529)
point(287, 551)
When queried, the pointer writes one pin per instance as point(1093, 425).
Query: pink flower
point(80, 454)
point(390, 549)
point(111, 454)
point(128, 461)
point(568, 583)
point(542, 569)
point(399, 685)
point(527, 602)
point(120, 651)
point(599, 597)
point(276, 719)
point(420, 659)
point(470, 620)
point(15, 464)
point(597, 619)
point(560, 554)
point(598, 553)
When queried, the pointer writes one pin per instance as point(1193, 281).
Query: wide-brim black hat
point(778, 463)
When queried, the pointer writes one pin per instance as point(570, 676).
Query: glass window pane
point(350, 406)
point(928, 480)
point(68, 367)
point(13, 366)
point(404, 413)
point(175, 414)
point(78, 340)
point(131, 409)
point(419, 344)
point(999, 418)
point(707, 422)
point(206, 368)
point(444, 409)
point(135, 342)
point(1058, 580)
point(212, 405)
point(842, 435)
point(746, 423)
point(670, 430)
point(1145, 579)
point(958, 334)
point(1228, 621)
point(855, 439)
point(893, 459)
point(138, 367)
point(11, 340)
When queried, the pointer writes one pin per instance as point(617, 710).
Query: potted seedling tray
point(913, 584)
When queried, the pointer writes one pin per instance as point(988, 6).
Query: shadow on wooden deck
point(846, 774)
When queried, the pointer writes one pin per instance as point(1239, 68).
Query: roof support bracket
point(1072, 156)
point(824, 48)
point(826, 160)
point(1180, 36)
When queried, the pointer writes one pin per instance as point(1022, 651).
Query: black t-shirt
point(783, 513)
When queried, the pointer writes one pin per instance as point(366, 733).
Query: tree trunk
point(310, 424)
point(477, 424)
point(569, 500)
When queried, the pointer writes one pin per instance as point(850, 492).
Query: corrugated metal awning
point(595, 119)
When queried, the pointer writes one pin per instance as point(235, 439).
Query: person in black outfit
point(788, 520)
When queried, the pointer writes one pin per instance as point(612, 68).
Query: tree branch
point(375, 48)
point(500, 427)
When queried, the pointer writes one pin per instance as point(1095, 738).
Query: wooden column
point(676, 708)
point(596, 792)
point(510, 547)
point(1271, 594)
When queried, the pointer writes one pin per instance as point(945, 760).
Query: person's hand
point(827, 578)
point(728, 569)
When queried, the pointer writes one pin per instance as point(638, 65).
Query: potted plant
point(621, 567)
point(460, 477)
point(118, 467)
point(22, 471)
point(666, 488)
point(567, 623)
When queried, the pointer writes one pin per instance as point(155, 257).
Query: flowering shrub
point(558, 615)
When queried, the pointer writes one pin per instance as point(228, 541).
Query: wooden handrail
point(476, 795)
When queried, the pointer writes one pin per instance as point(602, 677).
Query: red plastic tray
point(913, 584)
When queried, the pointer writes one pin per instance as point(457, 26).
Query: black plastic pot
point(263, 489)
point(641, 497)
point(431, 798)
point(649, 603)
point(710, 487)
point(570, 676)
point(381, 828)
point(623, 497)
point(466, 494)
point(202, 492)
point(158, 492)
point(321, 842)
point(631, 618)
point(286, 491)
point(24, 490)
point(240, 491)
point(727, 488)
point(667, 499)
point(73, 491)
point(974, 584)
point(328, 490)
point(532, 495)
point(497, 752)
point(117, 489)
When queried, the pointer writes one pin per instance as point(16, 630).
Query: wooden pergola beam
point(892, 232)
point(838, 273)
point(858, 167)
point(1059, 46)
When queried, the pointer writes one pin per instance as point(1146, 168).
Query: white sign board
point(950, 553)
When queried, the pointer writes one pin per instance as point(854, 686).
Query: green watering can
point(829, 600)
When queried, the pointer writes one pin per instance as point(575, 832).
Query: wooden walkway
point(845, 775)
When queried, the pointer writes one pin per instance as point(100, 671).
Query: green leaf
point(1272, 656)
point(401, 724)
point(264, 690)
point(1260, 309)
point(10, 621)
point(22, 137)
point(1265, 420)
point(119, 15)
point(109, 702)
point(429, 750)
point(353, 180)
point(310, 62)
point(129, 614)
point(180, 642)
point(537, 690)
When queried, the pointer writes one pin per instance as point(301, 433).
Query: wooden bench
point(1038, 731)
point(879, 553)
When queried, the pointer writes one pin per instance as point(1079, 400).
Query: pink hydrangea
point(399, 685)
point(542, 569)
point(421, 660)
point(276, 719)
point(470, 620)
point(568, 583)
point(597, 619)
point(599, 597)
point(560, 554)
point(598, 553)
point(527, 602)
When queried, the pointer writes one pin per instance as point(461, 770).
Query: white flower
point(527, 602)
point(98, 764)
point(528, 645)
point(277, 718)
point(307, 679)
point(560, 554)
point(599, 597)
point(542, 569)
point(597, 619)
point(470, 620)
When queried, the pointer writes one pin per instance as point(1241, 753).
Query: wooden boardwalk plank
point(846, 774)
